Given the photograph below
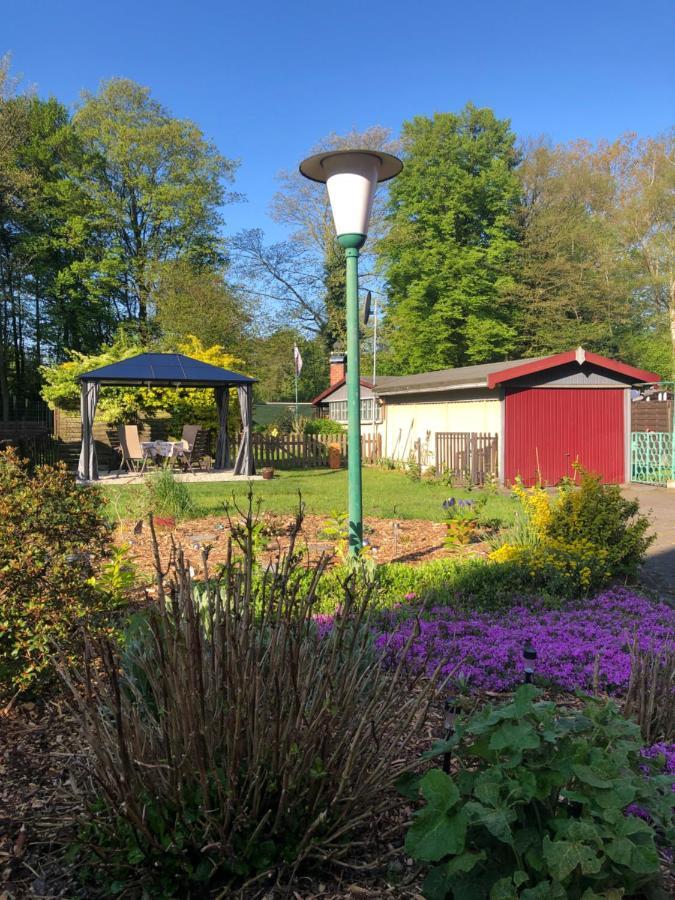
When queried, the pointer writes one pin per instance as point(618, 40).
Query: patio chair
point(133, 456)
point(189, 435)
point(195, 456)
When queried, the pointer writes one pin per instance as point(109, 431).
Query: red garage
point(563, 408)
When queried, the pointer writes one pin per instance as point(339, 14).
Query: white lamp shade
point(351, 180)
point(351, 177)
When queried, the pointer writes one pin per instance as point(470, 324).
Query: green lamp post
point(351, 177)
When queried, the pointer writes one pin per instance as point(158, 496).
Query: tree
point(571, 286)
point(155, 185)
point(595, 262)
point(305, 275)
point(448, 256)
point(192, 299)
point(645, 222)
point(273, 364)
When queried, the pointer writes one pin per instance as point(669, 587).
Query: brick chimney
point(338, 367)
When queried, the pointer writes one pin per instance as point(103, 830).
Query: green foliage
point(134, 404)
point(577, 542)
point(536, 808)
point(118, 575)
point(599, 513)
point(168, 497)
point(51, 534)
point(248, 739)
point(449, 252)
point(323, 426)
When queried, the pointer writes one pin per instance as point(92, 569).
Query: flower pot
point(267, 473)
point(334, 456)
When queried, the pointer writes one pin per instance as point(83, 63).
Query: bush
point(168, 497)
point(322, 426)
point(536, 809)
point(233, 735)
point(52, 533)
point(576, 543)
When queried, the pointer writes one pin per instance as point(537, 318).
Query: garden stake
point(451, 710)
point(529, 655)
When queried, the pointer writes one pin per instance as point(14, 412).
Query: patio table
point(167, 449)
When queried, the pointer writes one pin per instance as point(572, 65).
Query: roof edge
point(580, 356)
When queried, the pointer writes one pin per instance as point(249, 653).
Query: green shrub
point(323, 426)
point(52, 534)
point(598, 513)
point(537, 807)
point(167, 497)
point(232, 734)
point(577, 542)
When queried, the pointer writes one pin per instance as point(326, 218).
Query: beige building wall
point(408, 419)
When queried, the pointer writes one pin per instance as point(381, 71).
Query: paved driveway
point(659, 504)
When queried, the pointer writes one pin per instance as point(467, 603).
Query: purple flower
point(411, 596)
point(576, 646)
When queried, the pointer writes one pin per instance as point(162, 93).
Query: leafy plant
point(52, 534)
point(118, 573)
point(322, 426)
point(536, 808)
point(336, 529)
point(461, 530)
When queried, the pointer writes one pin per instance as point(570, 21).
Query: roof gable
point(579, 356)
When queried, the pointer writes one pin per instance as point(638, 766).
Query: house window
point(338, 410)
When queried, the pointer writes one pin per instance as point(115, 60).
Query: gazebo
point(169, 370)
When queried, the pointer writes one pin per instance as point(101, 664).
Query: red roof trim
point(338, 384)
point(560, 359)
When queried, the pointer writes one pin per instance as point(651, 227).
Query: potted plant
point(267, 473)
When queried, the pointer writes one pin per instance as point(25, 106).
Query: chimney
point(338, 367)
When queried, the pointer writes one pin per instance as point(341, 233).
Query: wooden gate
point(469, 455)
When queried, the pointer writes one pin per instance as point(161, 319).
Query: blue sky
point(265, 80)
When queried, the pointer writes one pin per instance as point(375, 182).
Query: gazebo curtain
point(87, 468)
point(222, 460)
point(245, 464)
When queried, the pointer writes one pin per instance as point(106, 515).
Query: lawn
point(386, 494)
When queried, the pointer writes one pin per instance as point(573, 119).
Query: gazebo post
point(245, 464)
point(87, 469)
point(223, 442)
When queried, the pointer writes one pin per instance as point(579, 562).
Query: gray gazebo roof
point(165, 370)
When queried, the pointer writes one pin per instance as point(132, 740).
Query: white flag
point(298, 360)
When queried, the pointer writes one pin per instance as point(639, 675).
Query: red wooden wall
point(559, 426)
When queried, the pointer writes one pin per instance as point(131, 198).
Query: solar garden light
point(530, 656)
point(452, 709)
point(351, 177)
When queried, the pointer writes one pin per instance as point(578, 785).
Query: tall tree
point(304, 276)
point(644, 218)
point(155, 185)
point(448, 256)
point(196, 300)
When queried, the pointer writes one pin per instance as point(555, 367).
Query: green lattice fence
point(652, 456)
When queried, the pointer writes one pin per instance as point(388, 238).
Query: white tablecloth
point(169, 449)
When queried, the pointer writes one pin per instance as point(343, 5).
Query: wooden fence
point(286, 451)
point(307, 451)
point(468, 455)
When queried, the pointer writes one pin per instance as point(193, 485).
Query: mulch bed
point(406, 540)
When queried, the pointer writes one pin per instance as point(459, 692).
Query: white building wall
point(405, 422)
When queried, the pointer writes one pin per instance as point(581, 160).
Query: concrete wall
point(408, 419)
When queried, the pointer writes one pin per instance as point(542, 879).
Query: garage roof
point(489, 375)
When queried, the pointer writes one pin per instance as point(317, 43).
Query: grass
point(386, 494)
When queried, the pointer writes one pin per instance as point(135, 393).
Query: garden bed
point(406, 540)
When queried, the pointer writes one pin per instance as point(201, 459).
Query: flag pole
point(296, 392)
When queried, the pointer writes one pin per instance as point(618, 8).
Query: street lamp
point(351, 177)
